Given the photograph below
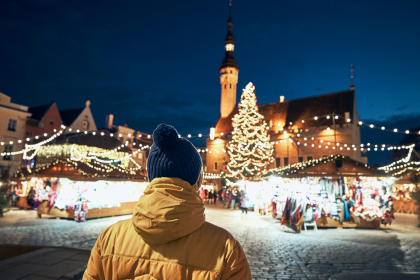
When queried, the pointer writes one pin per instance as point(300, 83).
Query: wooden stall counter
point(327, 222)
point(22, 202)
point(126, 208)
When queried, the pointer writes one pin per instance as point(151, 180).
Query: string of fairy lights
point(241, 150)
point(75, 166)
point(55, 134)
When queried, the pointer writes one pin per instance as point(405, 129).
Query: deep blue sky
point(149, 62)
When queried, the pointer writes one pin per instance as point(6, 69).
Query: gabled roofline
point(82, 109)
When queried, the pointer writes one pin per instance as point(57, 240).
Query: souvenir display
point(345, 199)
point(67, 194)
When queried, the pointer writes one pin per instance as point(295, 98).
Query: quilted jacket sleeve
point(237, 266)
point(94, 269)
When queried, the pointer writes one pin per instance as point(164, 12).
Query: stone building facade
point(12, 132)
point(291, 123)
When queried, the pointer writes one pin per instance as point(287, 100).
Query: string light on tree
point(250, 150)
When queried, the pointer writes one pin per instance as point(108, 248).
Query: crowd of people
point(14, 193)
point(230, 197)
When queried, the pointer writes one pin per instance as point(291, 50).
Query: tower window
point(225, 85)
point(229, 47)
point(215, 166)
point(230, 71)
point(230, 85)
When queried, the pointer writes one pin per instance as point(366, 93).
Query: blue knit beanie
point(171, 156)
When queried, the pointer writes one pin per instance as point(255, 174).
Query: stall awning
point(333, 166)
point(81, 171)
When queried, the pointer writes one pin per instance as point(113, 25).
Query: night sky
point(149, 62)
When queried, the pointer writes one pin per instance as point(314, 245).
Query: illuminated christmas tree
point(250, 150)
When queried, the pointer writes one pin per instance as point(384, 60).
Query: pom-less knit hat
point(172, 156)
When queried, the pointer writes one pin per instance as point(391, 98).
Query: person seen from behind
point(229, 197)
point(223, 195)
point(244, 204)
point(210, 201)
point(168, 236)
point(30, 198)
point(215, 197)
point(234, 198)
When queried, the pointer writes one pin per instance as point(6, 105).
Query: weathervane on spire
point(230, 8)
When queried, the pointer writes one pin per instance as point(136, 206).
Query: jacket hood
point(169, 209)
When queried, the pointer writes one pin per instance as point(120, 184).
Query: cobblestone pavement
point(272, 250)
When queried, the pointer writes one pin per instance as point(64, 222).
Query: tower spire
point(229, 60)
point(228, 71)
point(352, 87)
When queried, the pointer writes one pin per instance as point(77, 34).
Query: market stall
point(62, 189)
point(333, 192)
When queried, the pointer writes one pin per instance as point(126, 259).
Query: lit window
point(229, 47)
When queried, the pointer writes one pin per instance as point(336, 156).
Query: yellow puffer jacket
point(167, 238)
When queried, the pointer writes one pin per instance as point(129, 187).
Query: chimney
point(109, 120)
point(281, 98)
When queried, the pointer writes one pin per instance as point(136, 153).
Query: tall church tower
point(228, 75)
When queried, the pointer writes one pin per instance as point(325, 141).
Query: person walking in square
point(215, 197)
point(210, 200)
point(229, 196)
point(234, 198)
point(168, 236)
point(224, 197)
point(244, 204)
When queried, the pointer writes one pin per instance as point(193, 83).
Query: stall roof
point(327, 167)
point(79, 171)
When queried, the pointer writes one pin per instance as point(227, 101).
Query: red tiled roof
point(300, 109)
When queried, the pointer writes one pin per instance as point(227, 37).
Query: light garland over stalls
point(74, 165)
point(406, 159)
point(32, 147)
point(293, 168)
point(250, 150)
point(321, 143)
point(69, 151)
